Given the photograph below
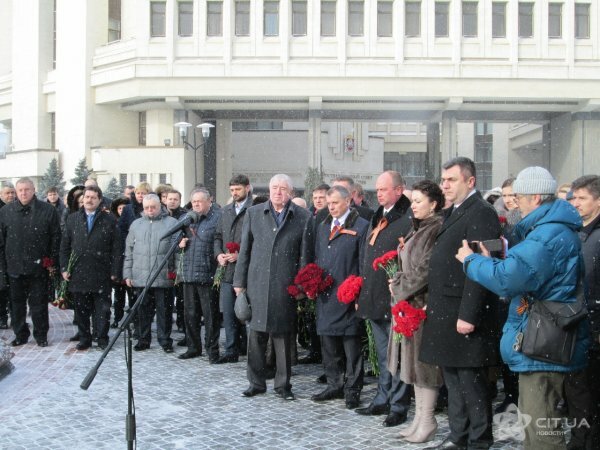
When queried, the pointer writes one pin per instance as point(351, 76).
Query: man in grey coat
point(144, 250)
point(268, 261)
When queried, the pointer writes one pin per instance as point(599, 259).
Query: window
point(162, 178)
point(52, 130)
point(123, 179)
point(271, 17)
point(157, 19)
point(582, 20)
point(54, 35)
point(142, 128)
point(185, 18)
point(384, 18)
point(299, 18)
point(484, 145)
point(499, 19)
point(412, 165)
point(525, 20)
point(356, 18)
point(328, 18)
point(412, 19)
point(242, 18)
point(214, 19)
point(257, 126)
point(143, 177)
point(555, 20)
point(469, 19)
point(442, 28)
point(114, 20)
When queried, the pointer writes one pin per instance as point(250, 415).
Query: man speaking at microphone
point(199, 266)
point(147, 243)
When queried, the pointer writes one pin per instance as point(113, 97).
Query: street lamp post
point(183, 130)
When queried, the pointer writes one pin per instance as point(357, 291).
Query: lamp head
point(183, 126)
point(205, 129)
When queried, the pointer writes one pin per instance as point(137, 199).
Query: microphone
point(188, 219)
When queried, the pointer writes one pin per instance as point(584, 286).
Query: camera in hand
point(493, 245)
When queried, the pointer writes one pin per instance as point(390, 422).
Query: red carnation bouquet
point(388, 262)
point(232, 247)
point(407, 319)
point(349, 290)
point(310, 280)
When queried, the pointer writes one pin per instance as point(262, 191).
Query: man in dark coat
point(392, 221)
point(461, 333)
point(7, 195)
point(338, 251)
point(198, 270)
point(176, 211)
point(229, 229)
point(268, 261)
point(91, 239)
point(29, 245)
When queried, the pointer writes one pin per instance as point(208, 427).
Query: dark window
point(328, 18)
point(442, 27)
point(356, 18)
point(411, 165)
point(123, 179)
point(299, 18)
point(555, 20)
point(214, 19)
point(53, 131)
point(412, 19)
point(242, 18)
point(143, 177)
point(484, 144)
point(469, 19)
point(114, 20)
point(271, 18)
point(185, 18)
point(158, 18)
point(142, 128)
point(525, 20)
point(582, 20)
point(499, 19)
point(385, 18)
point(162, 178)
point(257, 126)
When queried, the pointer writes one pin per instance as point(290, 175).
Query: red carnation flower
point(502, 220)
point(171, 275)
point(388, 262)
point(407, 318)
point(350, 288)
point(311, 280)
point(232, 247)
point(47, 262)
point(293, 290)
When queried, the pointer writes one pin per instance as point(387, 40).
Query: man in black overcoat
point(268, 261)
point(91, 239)
point(339, 244)
point(392, 220)
point(29, 245)
point(461, 333)
point(229, 229)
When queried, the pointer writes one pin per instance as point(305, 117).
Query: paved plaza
point(180, 404)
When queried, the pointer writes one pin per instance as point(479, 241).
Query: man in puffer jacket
point(199, 265)
point(144, 250)
point(546, 265)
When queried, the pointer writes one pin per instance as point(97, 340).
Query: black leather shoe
point(82, 346)
point(16, 342)
point(394, 419)
point(168, 348)
point(252, 391)
point(311, 358)
point(102, 345)
point(373, 410)
point(352, 402)
point(74, 338)
point(115, 324)
point(141, 346)
point(322, 379)
point(189, 355)
point(285, 394)
point(328, 394)
point(182, 342)
point(3, 324)
point(447, 444)
point(42, 343)
point(227, 359)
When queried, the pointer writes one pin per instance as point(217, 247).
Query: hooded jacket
point(546, 265)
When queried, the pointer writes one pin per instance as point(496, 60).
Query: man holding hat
point(545, 265)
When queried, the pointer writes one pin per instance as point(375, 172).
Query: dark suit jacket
point(452, 296)
point(229, 229)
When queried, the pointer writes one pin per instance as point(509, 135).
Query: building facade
point(346, 86)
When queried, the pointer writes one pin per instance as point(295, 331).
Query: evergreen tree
point(81, 173)
point(52, 178)
point(113, 189)
point(314, 177)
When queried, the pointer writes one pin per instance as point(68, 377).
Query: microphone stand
point(130, 427)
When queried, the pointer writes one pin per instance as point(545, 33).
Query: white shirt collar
point(341, 219)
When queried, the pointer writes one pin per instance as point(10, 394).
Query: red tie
point(335, 229)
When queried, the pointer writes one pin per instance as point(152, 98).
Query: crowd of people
point(475, 301)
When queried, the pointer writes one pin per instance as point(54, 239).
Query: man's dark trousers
point(235, 332)
point(96, 306)
point(155, 300)
point(390, 388)
point(30, 288)
point(201, 300)
point(257, 364)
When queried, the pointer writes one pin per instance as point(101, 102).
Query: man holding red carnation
point(338, 249)
point(391, 221)
point(268, 261)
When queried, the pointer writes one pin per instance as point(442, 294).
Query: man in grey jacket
point(144, 250)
